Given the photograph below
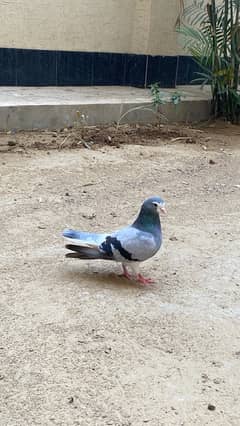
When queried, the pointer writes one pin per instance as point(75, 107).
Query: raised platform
point(27, 108)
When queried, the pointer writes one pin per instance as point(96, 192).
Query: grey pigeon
point(130, 245)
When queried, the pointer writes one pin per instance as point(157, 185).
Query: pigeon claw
point(145, 281)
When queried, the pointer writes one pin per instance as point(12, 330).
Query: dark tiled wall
point(23, 67)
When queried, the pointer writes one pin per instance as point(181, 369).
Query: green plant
point(176, 98)
point(161, 98)
point(158, 98)
point(138, 108)
point(211, 35)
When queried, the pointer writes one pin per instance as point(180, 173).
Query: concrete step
point(28, 108)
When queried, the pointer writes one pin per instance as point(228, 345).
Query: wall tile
point(36, 67)
point(75, 68)
point(162, 70)
point(8, 67)
point(109, 69)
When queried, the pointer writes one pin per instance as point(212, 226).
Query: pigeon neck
point(147, 221)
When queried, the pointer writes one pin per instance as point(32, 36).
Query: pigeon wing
point(130, 244)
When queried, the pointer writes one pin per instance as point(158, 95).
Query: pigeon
point(129, 246)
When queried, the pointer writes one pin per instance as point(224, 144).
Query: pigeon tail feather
point(84, 238)
point(83, 252)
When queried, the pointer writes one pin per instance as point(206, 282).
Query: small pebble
point(212, 161)
point(12, 143)
point(89, 216)
point(211, 407)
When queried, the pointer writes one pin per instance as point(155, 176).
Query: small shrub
point(211, 34)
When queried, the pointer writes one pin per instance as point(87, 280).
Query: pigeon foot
point(145, 281)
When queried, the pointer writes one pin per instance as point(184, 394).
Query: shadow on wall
point(24, 67)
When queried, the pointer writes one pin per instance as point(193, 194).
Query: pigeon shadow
point(104, 279)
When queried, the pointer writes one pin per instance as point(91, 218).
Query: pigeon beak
point(162, 209)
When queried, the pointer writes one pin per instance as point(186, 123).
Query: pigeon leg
point(146, 281)
point(126, 273)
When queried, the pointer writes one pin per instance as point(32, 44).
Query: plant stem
point(215, 67)
point(236, 43)
point(226, 8)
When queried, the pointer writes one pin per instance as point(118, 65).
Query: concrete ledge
point(58, 107)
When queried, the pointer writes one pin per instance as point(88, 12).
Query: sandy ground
point(82, 346)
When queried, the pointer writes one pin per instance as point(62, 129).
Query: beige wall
point(127, 26)
point(163, 38)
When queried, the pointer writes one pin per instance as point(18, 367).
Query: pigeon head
point(153, 205)
point(148, 218)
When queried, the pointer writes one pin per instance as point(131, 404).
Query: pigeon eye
point(155, 204)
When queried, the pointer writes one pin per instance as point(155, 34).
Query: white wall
point(163, 38)
point(127, 26)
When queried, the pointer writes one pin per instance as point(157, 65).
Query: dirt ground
point(80, 345)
